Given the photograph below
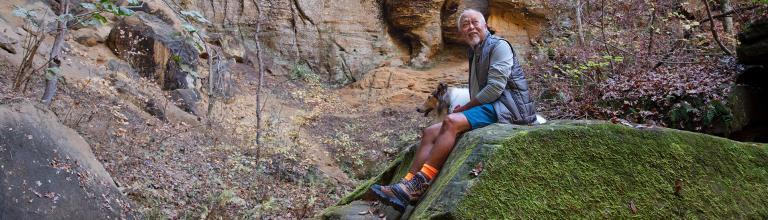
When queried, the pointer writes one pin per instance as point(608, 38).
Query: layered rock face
point(49, 171)
point(339, 40)
point(419, 23)
point(520, 22)
point(585, 169)
point(342, 40)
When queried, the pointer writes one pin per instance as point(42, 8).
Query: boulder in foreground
point(588, 169)
point(49, 171)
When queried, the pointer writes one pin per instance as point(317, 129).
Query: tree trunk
point(258, 87)
point(52, 79)
point(728, 19)
point(579, 24)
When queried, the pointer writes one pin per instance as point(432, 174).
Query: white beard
point(473, 40)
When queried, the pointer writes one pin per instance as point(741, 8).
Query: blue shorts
point(481, 115)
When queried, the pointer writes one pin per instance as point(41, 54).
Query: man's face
point(473, 28)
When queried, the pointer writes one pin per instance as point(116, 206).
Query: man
point(499, 93)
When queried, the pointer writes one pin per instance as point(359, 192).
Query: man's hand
point(459, 108)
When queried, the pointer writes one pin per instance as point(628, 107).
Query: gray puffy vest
point(515, 105)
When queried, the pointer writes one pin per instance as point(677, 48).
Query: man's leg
point(452, 126)
point(428, 137)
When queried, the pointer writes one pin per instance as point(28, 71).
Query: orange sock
point(429, 171)
point(409, 176)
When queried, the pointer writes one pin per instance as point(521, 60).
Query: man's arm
point(502, 60)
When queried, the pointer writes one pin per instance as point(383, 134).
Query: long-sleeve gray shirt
point(502, 60)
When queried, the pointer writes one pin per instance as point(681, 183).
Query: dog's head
point(434, 101)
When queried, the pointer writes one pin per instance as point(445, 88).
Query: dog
point(445, 99)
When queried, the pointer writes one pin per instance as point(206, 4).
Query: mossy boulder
point(589, 169)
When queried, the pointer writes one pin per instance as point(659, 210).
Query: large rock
point(49, 171)
point(754, 43)
point(518, 21)
point(587, 169)
point(419, 23)
point(339, 40)
point(156, 50)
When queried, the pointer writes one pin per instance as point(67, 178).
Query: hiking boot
point(400, 194)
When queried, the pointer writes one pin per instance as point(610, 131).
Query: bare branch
point(714, 31)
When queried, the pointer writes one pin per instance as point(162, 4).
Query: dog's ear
point(441, 89)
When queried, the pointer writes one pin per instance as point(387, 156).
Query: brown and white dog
point(444, 99)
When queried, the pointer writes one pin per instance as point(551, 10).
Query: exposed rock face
point(747, 101)
point(155, 50)
point(339, 40)
point(587, 169)
point(419, 22)
point(428, 25)
point(342, 40)
point(518, 21)
point(49, 171)
point(754, 44)
point(186, 99)
point(7, 44)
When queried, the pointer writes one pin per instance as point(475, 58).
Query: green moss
point(595, 171)
point(591, 169)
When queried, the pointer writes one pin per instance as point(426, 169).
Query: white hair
point(470, 11)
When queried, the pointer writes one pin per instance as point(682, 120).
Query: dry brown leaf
point(632, 206)
point(478, 169)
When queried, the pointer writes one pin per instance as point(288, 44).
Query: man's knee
point(451, 120)
point(456, 122)
point(432, 130)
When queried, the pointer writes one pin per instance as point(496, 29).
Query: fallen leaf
point(363, 212)
point(382, 215)
point(632, 206)
point(478, 169)
point(678, 186)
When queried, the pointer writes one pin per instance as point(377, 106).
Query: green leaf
point(98, 19)
point(133, 2)
point(176, 58)
point(123, 11)
point(52, 73)
point(189, 28)
point(89, 6)
point(110, 7)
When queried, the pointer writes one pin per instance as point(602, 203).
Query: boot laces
point(417, 185)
